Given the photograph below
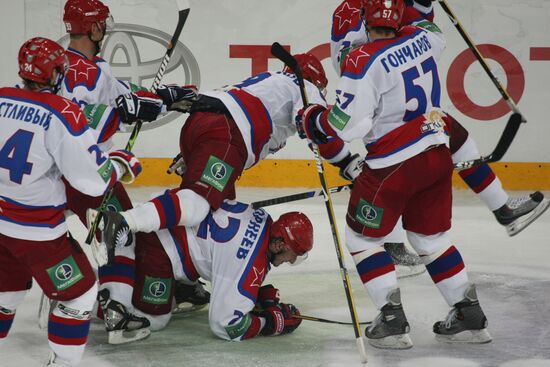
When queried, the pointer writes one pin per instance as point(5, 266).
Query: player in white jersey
point(514, 213)
point(91, 84)
point(42, 138)
point(389, 96)
point(234, 248)
point(228, 131)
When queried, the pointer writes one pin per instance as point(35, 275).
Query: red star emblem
point(355, 59)
point(75, 113)
point(73, 68)
point(346, 14)
point(258, 277)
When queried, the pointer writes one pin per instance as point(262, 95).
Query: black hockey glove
point(350, 167)
point(268, 296)
point(177, 165)
point(306, 124)
point(178, 98)
point(140, 105)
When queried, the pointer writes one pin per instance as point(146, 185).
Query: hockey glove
point(178, 98)
point(350, 167)
point(279, 319)
point(129, 166)
point(140, 105)
point(268, 296)
point(178, 165)
point(307, 126)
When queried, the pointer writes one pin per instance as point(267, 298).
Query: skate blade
point(127, 336)
point(405, 271)
point(99, 250)
point(522, 222)
point(468, 337)
point(402, 341)
point(186, 307)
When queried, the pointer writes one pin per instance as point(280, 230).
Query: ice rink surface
point(512, 276)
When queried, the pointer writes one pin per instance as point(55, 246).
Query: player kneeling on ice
point(43, 138)
point(234, 247)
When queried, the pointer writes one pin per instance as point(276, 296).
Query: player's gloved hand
point(350, 167)
point(178, 98)
point(178, 165)
point(129, 166)
point(139, 105)
point(268, 296)
point(279, 319)
point(307, 124)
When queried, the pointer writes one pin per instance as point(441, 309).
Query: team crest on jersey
point(338, 118)
point(216, 173)
point(368, 214)
point(65, 273)
point(156, 291)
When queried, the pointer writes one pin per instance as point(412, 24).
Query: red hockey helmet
point(79, 15)
point(383, 13)
point(39, 57)
point(312, 69)
point(296, 230)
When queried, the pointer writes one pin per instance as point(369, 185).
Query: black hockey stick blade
point(326, 321)
point(508, 135)
point(300, 196)
point(282, 54)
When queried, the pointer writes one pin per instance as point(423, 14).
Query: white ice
point(512, 277)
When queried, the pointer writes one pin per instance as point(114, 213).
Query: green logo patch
point(106, 170)
point(338, 118)
point(429, 26)
point(156, 290)
point(65, 273)
point(114, 205)
point(368, 214)
point(238, 329)
point(94, 113)
point(216, 173)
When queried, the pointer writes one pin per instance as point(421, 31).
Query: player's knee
point(429, 245)
point(356, 242)
point(467, 150)
point(10, 300)
point(79, 307)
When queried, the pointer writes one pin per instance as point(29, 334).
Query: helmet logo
point(388, 3)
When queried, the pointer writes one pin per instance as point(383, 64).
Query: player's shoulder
point(67, 112)
point(346, 18)
point(82, 71)
point(360, 59)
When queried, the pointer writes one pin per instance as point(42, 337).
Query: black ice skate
point(519, 212)
point(122, 326)
point(466, 323)
point(190, 297)
point(115, 232)
point(407, 263)
point(390, 329)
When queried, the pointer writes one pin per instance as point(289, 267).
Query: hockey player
point(407, 171)
point(228, 131)
point(44, 137)
point(91, 85)
point(514, 213)
point(234, 248)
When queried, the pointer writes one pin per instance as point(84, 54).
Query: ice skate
point(519, 212)
point(466, 323)
point(407, 263)
point(115, 232)
point(122, 326)
point(390, 329)
point(190, 297)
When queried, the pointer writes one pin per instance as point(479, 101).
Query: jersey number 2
point(415, 91)
point(14, 154)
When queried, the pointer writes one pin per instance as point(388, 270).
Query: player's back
point(42, 137)
point(400, 75)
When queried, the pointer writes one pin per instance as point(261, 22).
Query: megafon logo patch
point(135, 53)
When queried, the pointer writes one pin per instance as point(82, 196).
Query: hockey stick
point(326, 321)
point(183, 12)
point(300, 196)
point(479, 57)
point(513, 122)
point(512, 127)
point(279, 52)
